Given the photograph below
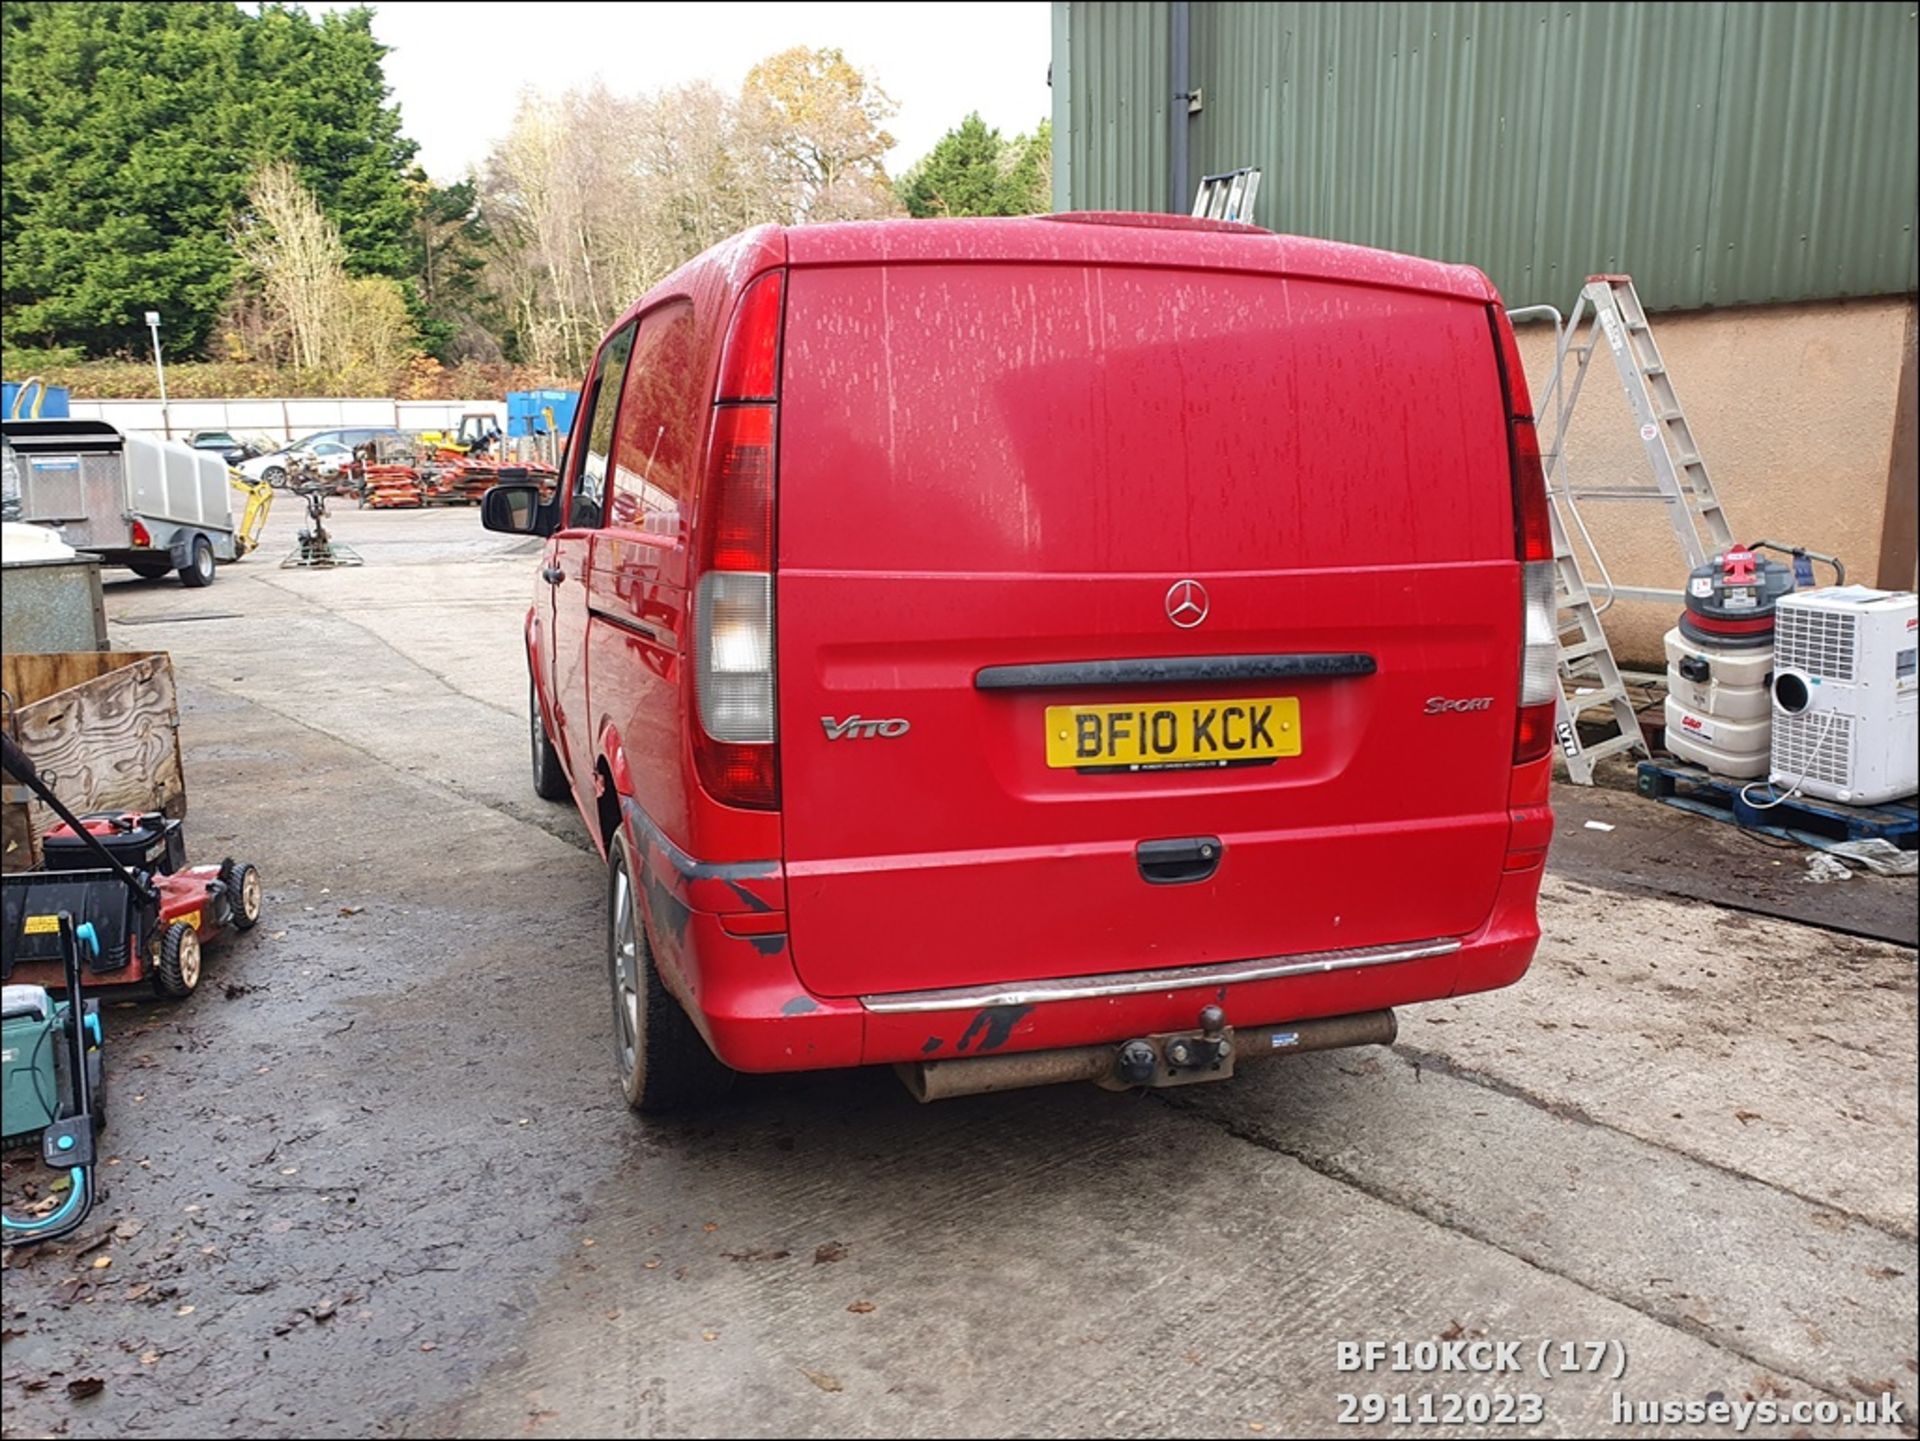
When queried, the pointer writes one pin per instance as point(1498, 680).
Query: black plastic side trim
point(1170, 670)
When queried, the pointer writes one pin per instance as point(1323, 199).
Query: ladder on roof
point(1228, 196)
point(1609, 309)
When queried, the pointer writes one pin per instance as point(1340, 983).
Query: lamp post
point(160, 372)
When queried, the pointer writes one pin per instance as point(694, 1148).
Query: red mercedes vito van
point(1085, 646)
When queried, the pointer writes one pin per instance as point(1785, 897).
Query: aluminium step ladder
point(1609, 309)
point(1590, 678)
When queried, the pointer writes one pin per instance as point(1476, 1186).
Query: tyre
point(178, 973)
point(664, 1062)
point(275, 476)
point(549, 780)
point(243, 894)
point(198, 571)
point(150, 567)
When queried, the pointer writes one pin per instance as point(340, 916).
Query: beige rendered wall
point(1793, 408)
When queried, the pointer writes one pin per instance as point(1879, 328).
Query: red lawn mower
point(150, 911)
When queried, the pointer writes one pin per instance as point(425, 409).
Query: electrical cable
point(1793, 790)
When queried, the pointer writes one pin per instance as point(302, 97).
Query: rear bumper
point(744, 994)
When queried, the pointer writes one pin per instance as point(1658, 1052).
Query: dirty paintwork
point(993, 1027)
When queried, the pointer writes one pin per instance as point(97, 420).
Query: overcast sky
point(457, 71)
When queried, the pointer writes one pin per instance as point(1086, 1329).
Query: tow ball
point(1177, 1058)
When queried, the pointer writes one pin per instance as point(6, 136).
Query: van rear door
point(1132, 616)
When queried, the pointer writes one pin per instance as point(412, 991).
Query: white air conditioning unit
point(1846, 698)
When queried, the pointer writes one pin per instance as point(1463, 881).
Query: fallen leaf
point(822, 1380)
point(289, 1170)
point(7, 1333)
point(184, 1311)
point(1745, 1116)
point(100, 1263)
point(711, 1227)
point(138, 1289)
point(127, 1230)
point(652, 1263)
point(861, 1308)
point(709, 1335)
point(1884, 1273)
point(351, 910)
point(86, 1385)
point(1453, 1332)
point(829, 1251)
point(148, 1358)
point(276, 935)
point(429, 1345)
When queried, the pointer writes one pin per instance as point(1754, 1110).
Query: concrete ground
point(377, 1178)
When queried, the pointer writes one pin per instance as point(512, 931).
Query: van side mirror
point(516, 510)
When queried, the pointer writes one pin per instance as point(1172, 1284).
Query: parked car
point(1017, 650)
point(230, 448)
point(333, 451)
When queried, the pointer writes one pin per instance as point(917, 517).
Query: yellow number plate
point(41, 926)
point(1173, 735)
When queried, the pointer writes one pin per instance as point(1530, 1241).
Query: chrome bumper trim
point(1135, 983)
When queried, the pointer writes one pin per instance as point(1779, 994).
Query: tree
point(128, 136)
point(325, 318)
point(295, 252)
point(454, 311)
point(822, 120)
point(971, 170)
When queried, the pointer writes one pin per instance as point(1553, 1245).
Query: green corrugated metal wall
point(1723, 154)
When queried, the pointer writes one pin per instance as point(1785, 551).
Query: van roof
point(1127, 238)
point(1073, 237)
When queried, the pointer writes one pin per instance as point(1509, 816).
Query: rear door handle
point(552, 574)
point(1178, 862)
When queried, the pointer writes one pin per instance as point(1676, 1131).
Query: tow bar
point(1172, 1058)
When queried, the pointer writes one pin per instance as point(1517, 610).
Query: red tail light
point(736, 514)
point(736, 741)
point(1533, 548)
point(750, 363)
point(141, 536)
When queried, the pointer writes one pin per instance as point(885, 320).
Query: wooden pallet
point(1806, 819)
point(103, 727)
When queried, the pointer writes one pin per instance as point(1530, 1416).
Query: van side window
point(586, 504)
point(659, 424)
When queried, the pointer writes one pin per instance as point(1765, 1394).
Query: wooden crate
point(103, 727)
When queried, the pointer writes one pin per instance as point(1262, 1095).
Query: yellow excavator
point(253, 519)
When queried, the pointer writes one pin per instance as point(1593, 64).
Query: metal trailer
point(148, 504)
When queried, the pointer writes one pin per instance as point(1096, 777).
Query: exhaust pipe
point(978, 1075)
